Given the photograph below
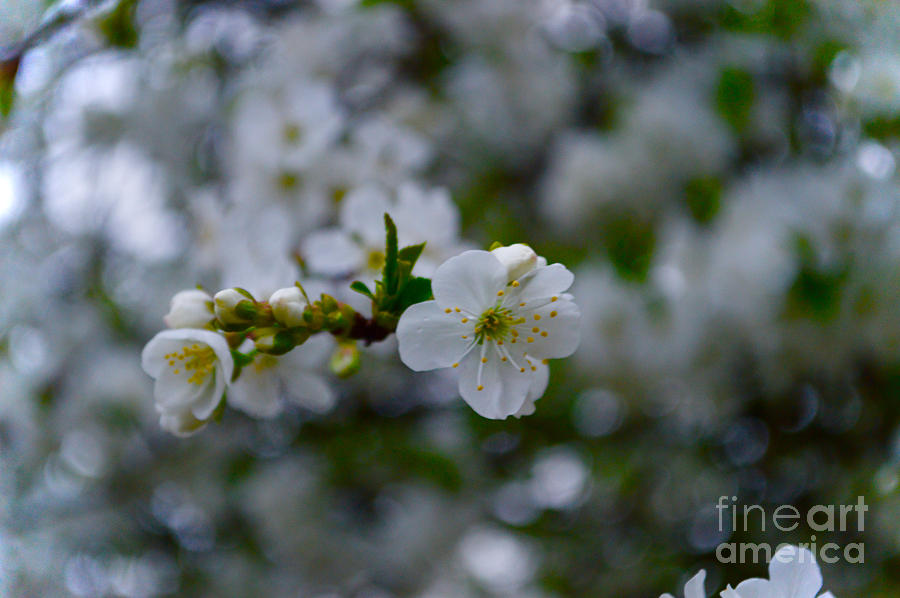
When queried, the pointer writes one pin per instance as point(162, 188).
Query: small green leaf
point(390, 274)
point(411, 253)
point(361, 288)
point(417, 290)
point(495, 245)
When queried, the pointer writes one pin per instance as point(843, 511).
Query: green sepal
point(495, 245)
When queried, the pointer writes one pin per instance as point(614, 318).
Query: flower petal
point(553, 329)
point(542, 283)
point(174, 393)
point(362, 213)
point(758, 588)
point(256, 394)
point(503, 387)
point(469, 281)
point(310, 391)
point(795, 571)
point(429, 338)
point(332, 252)
point(694, 586)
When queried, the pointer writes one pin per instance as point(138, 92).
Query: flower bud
point(288, 306)
point(345, 360)
point(274, 342)
point(189, 309)
point(234, 307)
point(518, 259)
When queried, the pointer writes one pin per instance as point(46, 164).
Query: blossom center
point(195, 359)
point(495, 324)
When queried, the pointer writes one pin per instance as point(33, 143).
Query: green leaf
point(390, 273)
point(417, 290)
point(361, 288)
point(411, 253)
point(735, 95)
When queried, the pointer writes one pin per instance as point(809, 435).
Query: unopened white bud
point(288, 305)
point(518, 259)
point(189, 309)
point(233, 306)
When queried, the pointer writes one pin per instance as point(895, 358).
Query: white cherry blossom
point(793, 573)
point(191, 368)
point(496, 332)
point(694, 587)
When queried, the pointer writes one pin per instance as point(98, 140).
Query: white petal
point(362, 213)
point(204, 406)
point(429, 338)
point(795, 571)
point(542, 283)
point(825, 595)
point(469, 281)
point(332, 252)
point(257, 392)
point(174, 393)
point(310, 391)
point(758, 588)
point(153, 359)
point(729, 593)
point(504, 387)
point(181, 423)
point(667, 596)
point(429, 216)
point(694, 586)
point(560, 321)
point(539, 381)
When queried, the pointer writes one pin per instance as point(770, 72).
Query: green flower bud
point(234, 307)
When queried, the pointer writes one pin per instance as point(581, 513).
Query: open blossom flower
point(357, 247)
point(268, 382)
point(694, 587)
point(497, 332)
point(191, 369)
point(190, 309)
point(793, 573)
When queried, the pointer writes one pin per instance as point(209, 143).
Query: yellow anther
point(522, 304)
point(456, 365)
point(522, 370)
point(484, 360)
point(552, 299)
point(545, 361)
point(480, 387)
point(535, 329)
point(456, 309)
point(503, 359)
point(543, 333)
point(515, 332)
point(464, 337)
point(500, 293)
point(464, 320)
point(515, 283)
point(553, 314)
point(537, 316)
point(533, 369)
point(177, 372)
point(530, 339)
point(448, 310)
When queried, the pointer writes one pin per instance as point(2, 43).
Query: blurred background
point(720, 175)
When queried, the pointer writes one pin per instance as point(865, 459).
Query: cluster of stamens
point(200, 361)
point(499, 324)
